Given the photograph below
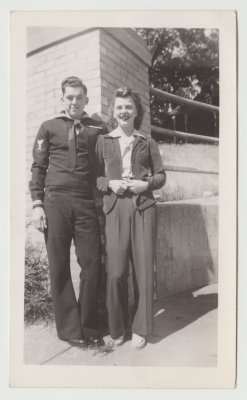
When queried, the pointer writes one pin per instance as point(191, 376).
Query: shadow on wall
point(187, 246)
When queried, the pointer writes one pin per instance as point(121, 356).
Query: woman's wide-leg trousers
point(130, 235)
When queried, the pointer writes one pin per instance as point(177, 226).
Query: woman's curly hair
point(127, 92)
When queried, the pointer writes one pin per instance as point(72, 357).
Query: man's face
point(74, 100)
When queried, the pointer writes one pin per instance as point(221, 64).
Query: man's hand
point(137, 186)
point(39, 219)
point(118, 186)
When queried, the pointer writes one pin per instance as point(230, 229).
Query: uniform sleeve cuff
point(38, 203)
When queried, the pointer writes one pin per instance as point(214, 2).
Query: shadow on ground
point(185, 334)
point(176, 312)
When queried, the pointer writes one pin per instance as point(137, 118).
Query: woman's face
point(125, 112)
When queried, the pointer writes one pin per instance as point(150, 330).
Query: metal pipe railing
point(184, 135)
point(181, 100)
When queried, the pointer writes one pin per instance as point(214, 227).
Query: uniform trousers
point(72, 216)
point(130, 235)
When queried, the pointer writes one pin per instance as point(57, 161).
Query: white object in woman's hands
point(137, 186)
point(118, 186)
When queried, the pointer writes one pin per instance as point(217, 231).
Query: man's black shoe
point(78, 342)
point(96, 341)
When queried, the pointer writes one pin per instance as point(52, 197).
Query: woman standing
point(129, 169)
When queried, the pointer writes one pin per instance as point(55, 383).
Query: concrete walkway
point(185, 335)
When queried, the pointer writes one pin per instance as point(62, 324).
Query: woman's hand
point(118, 186)
point(137, 186)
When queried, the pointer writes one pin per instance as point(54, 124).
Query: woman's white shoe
point(118, 341)
point(138, 342)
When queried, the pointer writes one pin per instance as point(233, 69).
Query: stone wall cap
point(39, 39)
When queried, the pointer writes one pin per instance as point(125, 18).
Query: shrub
point(37, 298)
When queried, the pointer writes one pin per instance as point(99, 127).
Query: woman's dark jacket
point(146, 164)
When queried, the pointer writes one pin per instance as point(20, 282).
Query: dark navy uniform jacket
point(51, 164)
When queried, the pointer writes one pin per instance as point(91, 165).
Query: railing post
point(174, 128)
point(186, 124)
point(215, 124)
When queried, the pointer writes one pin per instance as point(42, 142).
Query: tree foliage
point(184, 62)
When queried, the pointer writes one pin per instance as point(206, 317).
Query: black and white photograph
point(123, 197)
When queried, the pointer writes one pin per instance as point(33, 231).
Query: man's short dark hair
point(73, 81)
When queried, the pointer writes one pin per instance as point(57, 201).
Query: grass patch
point(103, 350)
point(184, 185)
point(37, 297)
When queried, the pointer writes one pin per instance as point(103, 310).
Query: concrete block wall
point(187, 245)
